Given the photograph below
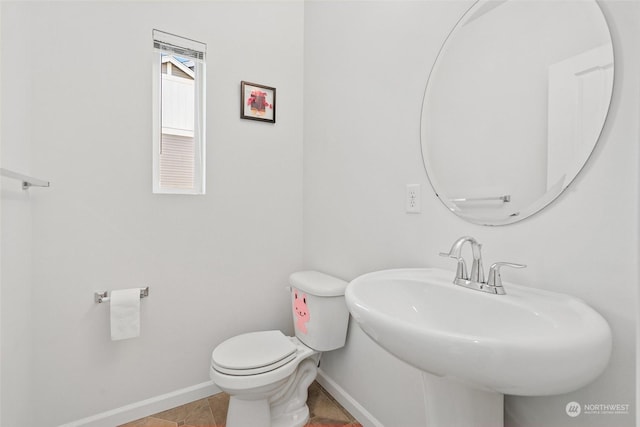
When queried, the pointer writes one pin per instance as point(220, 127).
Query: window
point(178, 115)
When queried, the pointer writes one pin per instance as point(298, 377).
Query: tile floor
point(212, 412)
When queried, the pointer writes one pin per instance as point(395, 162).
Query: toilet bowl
point(267, 374)
point(267, 381)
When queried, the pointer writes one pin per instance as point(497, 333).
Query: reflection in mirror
point(515, 104)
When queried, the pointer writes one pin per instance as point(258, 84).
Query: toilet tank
point(320, 314)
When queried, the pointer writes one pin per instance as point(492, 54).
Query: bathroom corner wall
point(364, 83)
point(216, 264)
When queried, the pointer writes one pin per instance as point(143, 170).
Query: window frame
point(171, 44)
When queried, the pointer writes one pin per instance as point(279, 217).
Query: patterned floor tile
point(324, 411)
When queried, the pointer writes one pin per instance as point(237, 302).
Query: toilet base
point(248, 412)
point(258, 413)
point(284, 407)
point(297, 419)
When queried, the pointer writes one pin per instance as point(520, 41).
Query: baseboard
point(147, 407)
point(347, 401)
point(186, 395)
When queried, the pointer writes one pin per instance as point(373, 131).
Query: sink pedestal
point(453, 404)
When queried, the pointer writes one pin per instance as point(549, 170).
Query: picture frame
point(258, 102)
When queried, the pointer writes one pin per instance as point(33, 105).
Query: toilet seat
point(240, 380)
point(253, 353)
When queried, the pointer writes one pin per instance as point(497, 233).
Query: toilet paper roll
point(125, 314)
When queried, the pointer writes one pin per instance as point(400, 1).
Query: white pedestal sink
point(474, 347)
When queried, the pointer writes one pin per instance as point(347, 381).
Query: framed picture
point(258, 102)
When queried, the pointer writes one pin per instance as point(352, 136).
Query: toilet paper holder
point(103, 296)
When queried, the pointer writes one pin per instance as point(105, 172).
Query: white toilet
point(266, 373)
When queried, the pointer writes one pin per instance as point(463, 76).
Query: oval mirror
point(514, 105)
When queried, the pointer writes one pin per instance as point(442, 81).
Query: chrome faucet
point(477, 271)
point(476, 279)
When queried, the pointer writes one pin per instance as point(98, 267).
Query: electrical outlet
point(412, 198)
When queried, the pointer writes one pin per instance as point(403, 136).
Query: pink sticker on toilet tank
point(301, 310)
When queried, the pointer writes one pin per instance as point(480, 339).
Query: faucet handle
point(494, 272)
point(461, 270)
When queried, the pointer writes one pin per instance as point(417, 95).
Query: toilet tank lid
point(318, 284)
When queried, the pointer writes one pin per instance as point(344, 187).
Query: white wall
point(364, 82)
point(82, 98)
point(0, 222)
point(15, 233)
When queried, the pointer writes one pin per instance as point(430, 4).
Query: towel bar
point(103, 296)
point(506, 199)
point(27, 181)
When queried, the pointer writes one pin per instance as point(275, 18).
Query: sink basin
point(530, 342)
